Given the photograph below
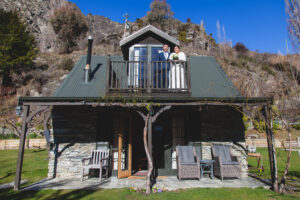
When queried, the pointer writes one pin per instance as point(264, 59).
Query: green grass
point(35, 168)
point(35, 165)
point(189, 194)
point(294, 170)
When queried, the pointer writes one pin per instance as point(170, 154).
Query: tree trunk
point(282, 184)
point(150, 163)
point(271, 148)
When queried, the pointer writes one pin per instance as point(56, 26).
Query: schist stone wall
point(65, 161)
point(76, 132)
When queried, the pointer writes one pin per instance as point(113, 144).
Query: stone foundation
point(68, 157)
point(65, 160)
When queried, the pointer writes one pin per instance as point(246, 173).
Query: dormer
point(145, 44)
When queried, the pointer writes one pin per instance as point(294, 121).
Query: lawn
point(35, 165)
point(294, 170)
point(35, 168)
point(111, 194)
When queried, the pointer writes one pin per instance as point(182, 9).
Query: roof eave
point(151, 28)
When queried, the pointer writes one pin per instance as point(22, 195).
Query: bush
point(66, 64)
point(260, 126)
point(182, 37)
point(276, 126)
point(8, 136)
point(241, 48)
point(246, 122)
point(296, 126)
point(160, 13)
point(33, 136)
point(69, 24)
point(268, 69)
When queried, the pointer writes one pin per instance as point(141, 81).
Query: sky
point(259, 24)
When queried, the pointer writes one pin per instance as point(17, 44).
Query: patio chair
point(188, 164)
point(225, 164)
point(99, 159)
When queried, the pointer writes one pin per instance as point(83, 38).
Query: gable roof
point(208, 80)
point(146, 29)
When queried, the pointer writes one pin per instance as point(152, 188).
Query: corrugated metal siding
point(209, 80)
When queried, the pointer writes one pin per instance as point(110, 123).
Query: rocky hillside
point(254, 74)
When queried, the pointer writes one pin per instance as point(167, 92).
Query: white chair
point(99, 159)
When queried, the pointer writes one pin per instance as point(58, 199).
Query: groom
point(164, 68)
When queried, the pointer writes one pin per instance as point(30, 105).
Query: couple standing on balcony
point(174, 78)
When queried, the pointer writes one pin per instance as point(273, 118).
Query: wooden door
point(125, 147)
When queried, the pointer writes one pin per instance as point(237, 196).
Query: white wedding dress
point(176, 75)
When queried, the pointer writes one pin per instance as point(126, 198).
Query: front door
point(125, 147)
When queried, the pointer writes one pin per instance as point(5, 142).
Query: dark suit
point(162, 72)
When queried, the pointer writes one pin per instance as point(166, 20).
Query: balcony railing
point(147, 77)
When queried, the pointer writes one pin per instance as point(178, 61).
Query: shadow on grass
point(46, 194)
point(294, 174)
point(8, 174)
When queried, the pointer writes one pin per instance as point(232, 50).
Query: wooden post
point(271, 147)
point(21, 148)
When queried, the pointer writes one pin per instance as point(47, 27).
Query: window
point(137, 74)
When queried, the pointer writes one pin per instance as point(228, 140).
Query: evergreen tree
point(17, 46)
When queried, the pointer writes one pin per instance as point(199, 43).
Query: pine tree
point(17, 46)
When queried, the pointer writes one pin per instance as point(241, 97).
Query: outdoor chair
point(225, 164)
point(99, 159)
point(188, 163)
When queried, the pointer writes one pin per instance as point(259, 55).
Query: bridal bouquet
point(175, 57)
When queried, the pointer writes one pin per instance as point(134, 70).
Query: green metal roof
point(74, 86)
point(207, 79)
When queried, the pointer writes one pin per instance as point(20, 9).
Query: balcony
point(148, 78)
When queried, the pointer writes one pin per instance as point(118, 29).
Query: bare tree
point(293, 12)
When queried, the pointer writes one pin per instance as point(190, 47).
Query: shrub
point(296, 126)
point(260, 126)
point(267, 68)
point(246, 122)
point(160, 13)
point(182, 36)
point(241, 48)
point(33, 136)
point(69, 24)
point(66, 64)
point(276, 126)
point(8, 136)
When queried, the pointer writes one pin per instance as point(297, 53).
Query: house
point(100, 102)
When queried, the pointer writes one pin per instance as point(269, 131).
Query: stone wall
point(65, 159)
point(14, 144)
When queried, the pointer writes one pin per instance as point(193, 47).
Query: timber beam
point(27, 117)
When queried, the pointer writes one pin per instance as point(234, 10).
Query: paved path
point(169, 183)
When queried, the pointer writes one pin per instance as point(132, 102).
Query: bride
point(176, 75)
